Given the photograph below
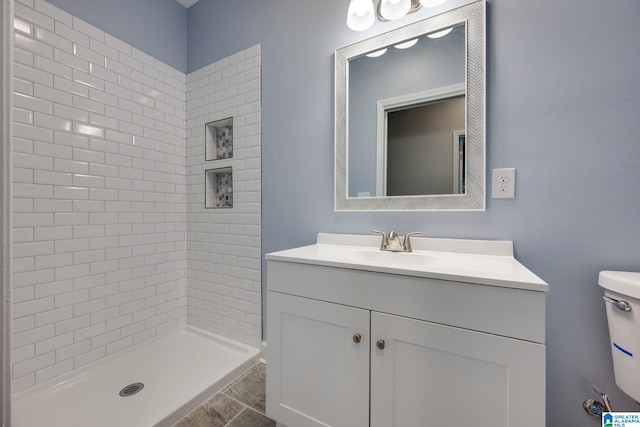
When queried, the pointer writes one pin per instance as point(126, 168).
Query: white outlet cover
point(503, 183)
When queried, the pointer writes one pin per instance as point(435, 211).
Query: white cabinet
point(411, 367)
point(319, 375)
point(436, 375)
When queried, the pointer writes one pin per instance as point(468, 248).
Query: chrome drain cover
point(131, 389)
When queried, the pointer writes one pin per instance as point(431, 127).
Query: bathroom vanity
point(449, 334)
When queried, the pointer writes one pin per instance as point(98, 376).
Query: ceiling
point(187, 3)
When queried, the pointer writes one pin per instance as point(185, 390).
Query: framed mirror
point(410, 116)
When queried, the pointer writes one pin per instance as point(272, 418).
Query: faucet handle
point(406, 244)
point(385, 242)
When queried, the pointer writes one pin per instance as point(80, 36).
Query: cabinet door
point(435, 375)
point(316, 374)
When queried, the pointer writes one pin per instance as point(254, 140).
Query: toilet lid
point(622, 282)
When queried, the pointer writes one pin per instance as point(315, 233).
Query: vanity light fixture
point(406, 45)
point(403, 45)
point(377, 53)
point(439, 34)
point(394, 9)
point(361, 15)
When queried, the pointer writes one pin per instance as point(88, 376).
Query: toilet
point(622, 300)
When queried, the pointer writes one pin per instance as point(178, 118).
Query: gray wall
point(156, 27)
point(563, 102)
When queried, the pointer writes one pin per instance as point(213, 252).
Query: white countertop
point(485, 262)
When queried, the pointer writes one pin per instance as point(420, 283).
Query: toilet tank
point(622, 301)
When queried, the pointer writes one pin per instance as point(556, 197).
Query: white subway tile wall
point(100, 195)
point(224, 244)
point(112, 243)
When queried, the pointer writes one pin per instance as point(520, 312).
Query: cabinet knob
point(380, 344)
point(357, 338)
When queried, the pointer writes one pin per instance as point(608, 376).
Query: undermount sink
point(389, 258)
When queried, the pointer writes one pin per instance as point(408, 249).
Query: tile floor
point(240, 404)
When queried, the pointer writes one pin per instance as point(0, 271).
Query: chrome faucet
point(392, 243)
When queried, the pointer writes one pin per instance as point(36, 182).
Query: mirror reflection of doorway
point(459, 153)
point(425, 150)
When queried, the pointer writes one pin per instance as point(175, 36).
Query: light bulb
point(431, 3)
point(439, 34)
point(406, 45)
point(377, 53)
point(394, 9)
point(360, 15)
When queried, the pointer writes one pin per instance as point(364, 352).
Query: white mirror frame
point(473, 16)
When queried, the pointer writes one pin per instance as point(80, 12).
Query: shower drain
point(131, 389)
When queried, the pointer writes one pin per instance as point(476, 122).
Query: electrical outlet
point(503, 183)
